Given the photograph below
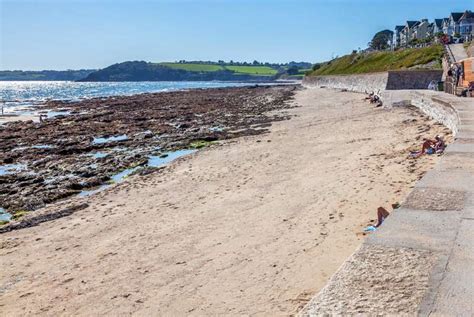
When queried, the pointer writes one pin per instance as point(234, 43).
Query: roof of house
point(467, 15)
point(438, 22)
point(456, 16)
point(412, 23)
point(398, 28)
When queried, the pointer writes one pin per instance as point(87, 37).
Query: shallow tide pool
point(43, 146)
point(153, 161)
point(116, 138)
point(98, 155)
point(4, 216)
point(11, 168)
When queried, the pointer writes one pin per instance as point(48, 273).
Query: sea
point(18, 97)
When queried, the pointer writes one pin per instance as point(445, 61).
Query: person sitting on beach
point(428, 147)
point(382, 214)
point(374, 98)
point(370, 95)
point(439, 146)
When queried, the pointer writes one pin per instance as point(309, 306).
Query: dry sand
point(255, 226)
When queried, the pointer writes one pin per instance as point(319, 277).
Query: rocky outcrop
point(104, 136)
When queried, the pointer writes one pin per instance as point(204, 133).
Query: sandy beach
point(250, 226)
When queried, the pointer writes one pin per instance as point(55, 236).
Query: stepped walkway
point(420, 262)
point(458, 52)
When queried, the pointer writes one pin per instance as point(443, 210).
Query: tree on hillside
point(293, 70)
point(381, 40)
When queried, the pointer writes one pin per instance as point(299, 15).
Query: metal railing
point(449, 54)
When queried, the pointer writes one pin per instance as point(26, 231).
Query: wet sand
point(10, 118)
point(254, 225)
point(87, 144)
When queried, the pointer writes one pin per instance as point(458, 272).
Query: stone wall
point(412, 79)
point(360, 83)
point(392, 80)
point(437, 109)
point(429, 102)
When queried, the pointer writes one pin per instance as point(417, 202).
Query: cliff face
point(143, 71)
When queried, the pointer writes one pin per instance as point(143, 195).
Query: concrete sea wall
point(359, 83)
point(391, 80)
point(415, 79)
point(419, 262)
point(436, 108)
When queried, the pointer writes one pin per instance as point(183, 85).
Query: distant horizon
point(86, 34)
point(176, 61)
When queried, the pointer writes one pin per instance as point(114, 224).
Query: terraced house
point(406, 35)
point(466, 26)
point(458, 24)
point(397, 35)
point(438, 25)
point(421, 30)
point(452, 26)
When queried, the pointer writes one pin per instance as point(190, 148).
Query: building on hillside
point(420, 30)
point(406, 35)
point(438, 26)
point(466, 26)
point(452, 27)
point(396, 35)
point(430, 31)
point(445, 26)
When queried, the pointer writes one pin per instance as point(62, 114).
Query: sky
point(78, 34)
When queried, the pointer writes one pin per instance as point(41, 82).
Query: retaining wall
point(419, 262)
point(416, 79)
point(391, 80)
point(437, 109)
point(359, 83)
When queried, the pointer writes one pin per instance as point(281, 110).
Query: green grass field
point(244, 70)
point(382, 61)
point(194, 67)
point(253, 70)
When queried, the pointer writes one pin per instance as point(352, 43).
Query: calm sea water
point(22, 94)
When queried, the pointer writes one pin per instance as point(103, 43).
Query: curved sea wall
point(437, 108)
point(391, 80)
point(419, 262)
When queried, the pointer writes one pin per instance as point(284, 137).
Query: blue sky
point(72, 34)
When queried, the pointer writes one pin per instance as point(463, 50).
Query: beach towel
point(370, 229)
